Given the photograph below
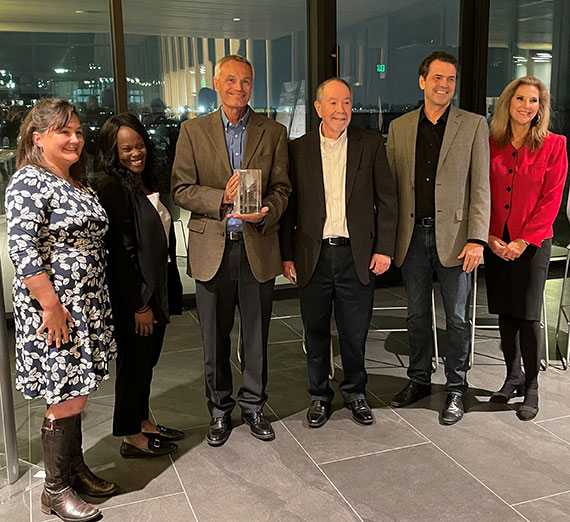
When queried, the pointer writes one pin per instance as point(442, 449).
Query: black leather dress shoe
point(156, 448)
point(318, 413)
point(259, 426)
point(361, 412)
point(453, 409)
point(219, 430)
point(411, 393)
point(169, 434)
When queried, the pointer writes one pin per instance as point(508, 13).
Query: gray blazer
point(462, 194)
point(199, 176)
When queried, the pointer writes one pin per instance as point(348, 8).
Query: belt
point(336, 241)
point(426, 222)
point(234, 235)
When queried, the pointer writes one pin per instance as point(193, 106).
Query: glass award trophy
point(248, 198)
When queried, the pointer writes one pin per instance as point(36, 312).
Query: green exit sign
point(380, 67)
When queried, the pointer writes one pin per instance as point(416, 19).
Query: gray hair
point(231, 58)
point(321, 87)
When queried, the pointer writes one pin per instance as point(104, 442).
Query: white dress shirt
point(333, 156)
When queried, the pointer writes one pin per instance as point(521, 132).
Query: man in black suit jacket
point(336, 234)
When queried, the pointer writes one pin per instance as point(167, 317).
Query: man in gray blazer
point(234, 258)
point(440, 158)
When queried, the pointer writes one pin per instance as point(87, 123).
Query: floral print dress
point(56, 228)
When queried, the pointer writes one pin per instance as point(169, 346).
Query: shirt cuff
point(477, 242)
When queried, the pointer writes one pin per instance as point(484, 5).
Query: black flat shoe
point(156, 448)
point(167, 434)
point(411, 393)
point(219, 430)
point(506, 393)
point(453, 409)
point(259, 426)
point(361, 412)
point(318, 413)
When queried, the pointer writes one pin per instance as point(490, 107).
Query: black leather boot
point(58, 497)
point(82, 478)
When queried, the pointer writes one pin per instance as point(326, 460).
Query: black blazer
point(138, 269)
point(371, 203)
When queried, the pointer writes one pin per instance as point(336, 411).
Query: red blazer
point(526, 188)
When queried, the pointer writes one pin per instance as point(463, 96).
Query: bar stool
point(545, 362)
point(435, 359)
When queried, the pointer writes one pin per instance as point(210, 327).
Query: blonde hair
point(51, 114)
point(501, 123)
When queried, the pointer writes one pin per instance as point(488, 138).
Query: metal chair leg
point(435, 360)
point(562, 312)
point(473, 319)
point(544, 363)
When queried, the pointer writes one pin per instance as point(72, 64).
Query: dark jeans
point(455, 285)
point(335, 281)
point(234, 285)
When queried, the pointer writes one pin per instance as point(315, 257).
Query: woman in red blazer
point(528, 170)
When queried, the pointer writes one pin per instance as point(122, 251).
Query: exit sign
point(380, 67)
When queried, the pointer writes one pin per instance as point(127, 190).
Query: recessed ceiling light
point(236, 19)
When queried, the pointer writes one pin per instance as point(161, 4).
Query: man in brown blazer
point(234, 258)
point(337, 233)
point(440, 158)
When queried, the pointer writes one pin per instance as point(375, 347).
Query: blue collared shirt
point(235, 142)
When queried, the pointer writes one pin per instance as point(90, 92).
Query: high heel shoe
point(529, 408)
point(507, 392)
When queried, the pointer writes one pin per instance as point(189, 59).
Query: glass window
point(46, 52)
point(381, 44)
point(524, 40)
point(170, 69)
point(50, 50)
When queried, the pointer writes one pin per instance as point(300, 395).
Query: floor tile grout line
point(140, 501)
point(379, 452)
point(455, 461)
point(317, 465)
point(551, 433)
point(553, 419)
point(177, 475)
point(540, 498)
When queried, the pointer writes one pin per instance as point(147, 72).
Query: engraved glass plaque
point(248, 198)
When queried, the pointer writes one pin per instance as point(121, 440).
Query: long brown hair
point(51, 114)
point(501, 123)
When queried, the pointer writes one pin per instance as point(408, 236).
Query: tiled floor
point(406, 467)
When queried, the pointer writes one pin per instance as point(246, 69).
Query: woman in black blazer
point(143, 279)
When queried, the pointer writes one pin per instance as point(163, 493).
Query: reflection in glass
point(382, 43)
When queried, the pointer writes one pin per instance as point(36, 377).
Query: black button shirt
point(428, 146)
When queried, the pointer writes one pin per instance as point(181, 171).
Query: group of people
point(96, 275)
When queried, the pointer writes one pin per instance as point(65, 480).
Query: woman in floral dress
point(62, 314)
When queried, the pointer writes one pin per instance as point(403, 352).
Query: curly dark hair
point(109, 154)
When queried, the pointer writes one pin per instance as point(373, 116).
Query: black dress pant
point(137, 355)
point(234, 285)
point(335, 281)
